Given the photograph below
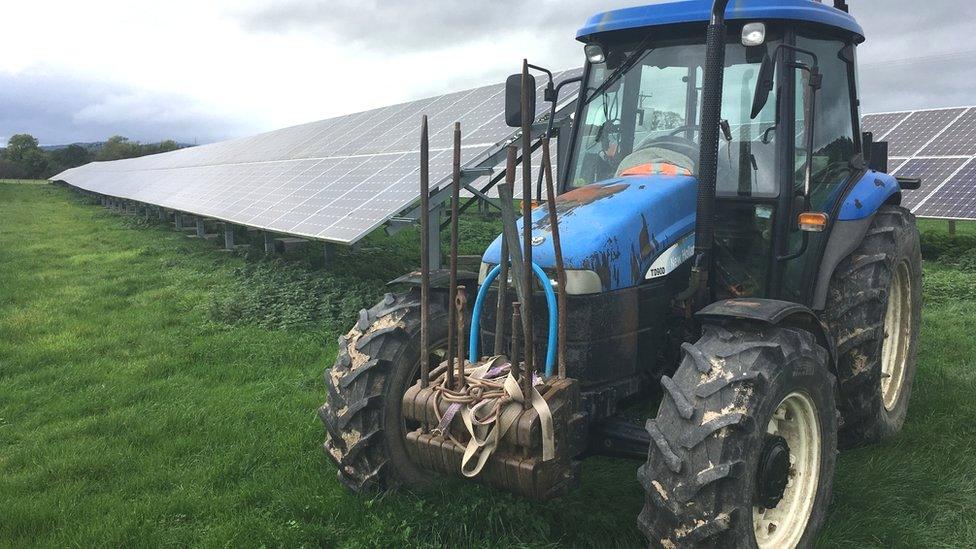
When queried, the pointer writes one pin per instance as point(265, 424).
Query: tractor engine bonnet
point(615, 228)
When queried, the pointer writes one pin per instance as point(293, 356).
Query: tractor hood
point(616, 228)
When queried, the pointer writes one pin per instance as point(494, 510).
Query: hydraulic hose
point(550, 301)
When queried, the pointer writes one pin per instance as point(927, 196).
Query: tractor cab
point(789, 139)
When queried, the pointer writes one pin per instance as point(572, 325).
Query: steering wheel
point(676, 143)
point(678, 130)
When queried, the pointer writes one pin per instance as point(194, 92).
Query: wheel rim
point(795, 419)
point(897, 328)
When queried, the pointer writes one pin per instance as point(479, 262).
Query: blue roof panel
point(699, 11)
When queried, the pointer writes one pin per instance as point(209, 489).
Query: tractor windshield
point(641, 110)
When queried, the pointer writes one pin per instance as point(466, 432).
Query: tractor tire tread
point(857, 300)
point(357, 439)
point(695, 475)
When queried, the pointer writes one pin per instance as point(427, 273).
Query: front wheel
point(744, 445)
point(378, 360)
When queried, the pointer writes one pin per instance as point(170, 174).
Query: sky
point(200, 71)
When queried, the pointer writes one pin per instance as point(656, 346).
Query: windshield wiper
point(638, 54)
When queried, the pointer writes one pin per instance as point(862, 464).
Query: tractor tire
point(874, 307)
point(378, 360)
point(744, 395)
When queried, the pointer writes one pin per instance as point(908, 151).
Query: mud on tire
point(700, 477)
point(857, 301)
point(378, 360)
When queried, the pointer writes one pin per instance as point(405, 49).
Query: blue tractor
point(723, 240)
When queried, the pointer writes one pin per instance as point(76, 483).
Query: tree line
point(23, 158)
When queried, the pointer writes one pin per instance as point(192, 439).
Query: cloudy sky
point(206, 70)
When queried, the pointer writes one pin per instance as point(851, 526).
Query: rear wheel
point(744, 444)
point(378, 360)
point(873, 310)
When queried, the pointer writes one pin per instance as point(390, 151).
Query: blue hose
point(553, 318)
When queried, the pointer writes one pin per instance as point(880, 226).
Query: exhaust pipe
point(711, 113)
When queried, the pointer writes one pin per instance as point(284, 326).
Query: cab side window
point(833, 139)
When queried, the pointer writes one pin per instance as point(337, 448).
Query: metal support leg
point(269, 243)
point(178, 220)
point(162, 214)
point(201, 229)
point(952, 227)
point(228, 236)
point(329, 253)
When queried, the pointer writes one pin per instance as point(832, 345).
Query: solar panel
point(881, 124)
point(335, 179)
point(955, 198)
point(932, 171)
point(918, 130)
point(939, 147)
point(339, 179)
point(895, 163)
point(959, 139)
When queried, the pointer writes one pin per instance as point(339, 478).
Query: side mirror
point(764, 85)
point(879, 156)
point(513, 99)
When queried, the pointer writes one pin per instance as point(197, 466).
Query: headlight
point(578, 282)
point(753, 34)
point(594, 53)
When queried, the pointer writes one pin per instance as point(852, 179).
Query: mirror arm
point(549, 87)
point(552, 96)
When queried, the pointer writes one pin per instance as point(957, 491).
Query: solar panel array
point(938, 146)
point(335, 180)
point(341, 178)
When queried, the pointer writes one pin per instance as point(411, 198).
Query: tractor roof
point(699, 11)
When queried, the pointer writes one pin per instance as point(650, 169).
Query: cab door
point(835, 157)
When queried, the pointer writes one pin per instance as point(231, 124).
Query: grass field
point(155, 391)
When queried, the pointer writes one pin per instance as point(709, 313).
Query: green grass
point(942, 226)
point(25, 181)
point(155, 391)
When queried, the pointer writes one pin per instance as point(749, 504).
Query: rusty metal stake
point(561, 298)
point(452, 292)
point(424, 255)
point(504, 257)
point(527, 119)
point(516, 330)
point(460, 304)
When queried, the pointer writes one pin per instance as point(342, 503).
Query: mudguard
point(854, 216)
point(774, 313)
point(868, 194)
